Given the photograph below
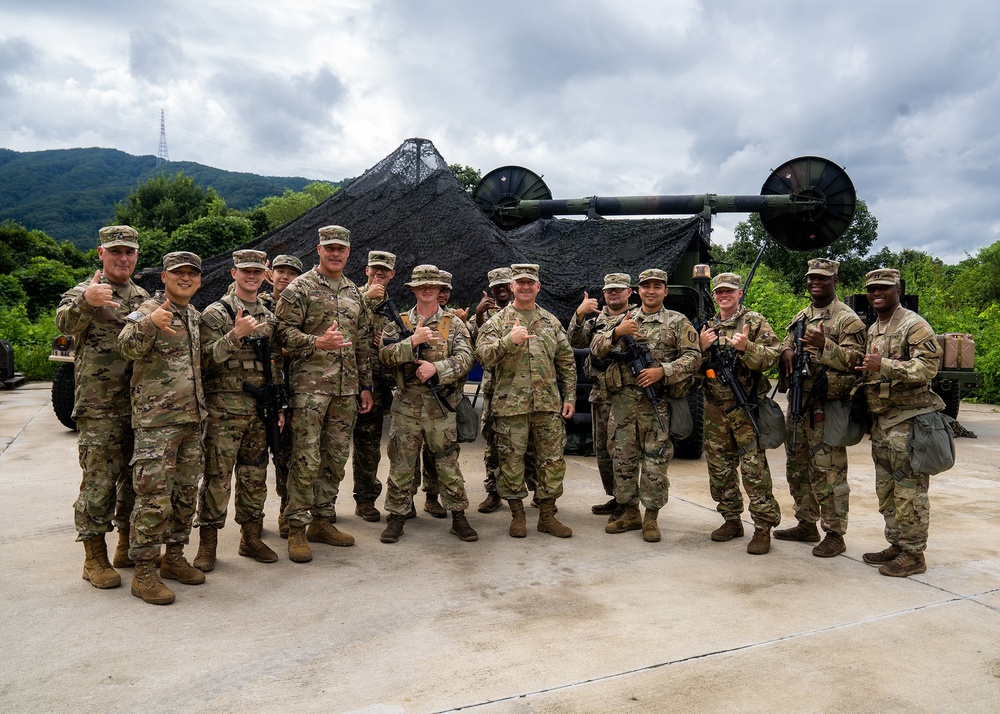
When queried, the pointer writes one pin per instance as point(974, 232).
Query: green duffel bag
point(771, 421)
point(681, 421)
point(466, 421)
point(931, 445)
point(840, 428)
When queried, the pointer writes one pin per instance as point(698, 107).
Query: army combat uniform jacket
point(760, 355)
point(842, 352)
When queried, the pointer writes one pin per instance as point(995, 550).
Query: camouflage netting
point(412, 205)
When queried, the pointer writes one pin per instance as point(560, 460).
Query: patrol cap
point(499, 276)
point(383, 258)
point(426, 275)
point(446, 277)
point(110, 236)
point(527, 271)
point(288, 261)
point(652, 274)
point(250, 259)
point(617, 280)
point(823, 266)
point(178, 259)
point(727, 280)
point(330, 235)
point(882, 276)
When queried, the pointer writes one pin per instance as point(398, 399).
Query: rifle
point(636, 358)
point(799, 402)
point(271, 398)
point(722, 369)
point(388, 310)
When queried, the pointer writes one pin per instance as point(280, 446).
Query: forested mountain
point(71, 193)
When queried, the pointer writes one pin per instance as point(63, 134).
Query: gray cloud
point(153, 56)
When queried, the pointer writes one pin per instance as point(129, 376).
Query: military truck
point(64, 382)
point(804, 204)
point(9, 379)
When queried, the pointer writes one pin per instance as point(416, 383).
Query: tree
point(167, 202)
point(18, 246)
point(45, 280)
point(212, 235)
point(292, 204)
point(466, 175)
point(851, 250)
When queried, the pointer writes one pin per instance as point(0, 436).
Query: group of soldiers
point(168, 405)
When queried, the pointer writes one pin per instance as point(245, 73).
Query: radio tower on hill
point(161, 155)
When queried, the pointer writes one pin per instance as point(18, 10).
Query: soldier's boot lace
point(96, 567)
point(208, 543)
point(252, 546)
point(121, 559)
point(650, 529)
point(460, 527)
point(518, 526)
point(322, 531)
point(298, 548)
point(432, 506)
point(760, 544)
point(174, 566)
point(491, 503)
point(732, 528)
point(146, 584)
point(883, 556)
point(833, 545)
point(803, 531)
point(547, 522)
point(629, 520)
point(393, 528)
point(904, 565)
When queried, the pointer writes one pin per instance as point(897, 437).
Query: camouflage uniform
point(531, 382)
point(102, 407)
point(284, 452)
point(899, 392)
point(235, 435)
point(325, 387)
point(633, 431)
point(817, 472)
point(729, 439)
point(168, 410)
point(416, 416)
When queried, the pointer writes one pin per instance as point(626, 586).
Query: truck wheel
point(951, 393)
point(693, 446)
point(64, 394)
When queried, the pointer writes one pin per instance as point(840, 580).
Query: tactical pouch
point(771, 421)
point(840, 428)
point(931, 445)
point(681, 421)
point(466, 421)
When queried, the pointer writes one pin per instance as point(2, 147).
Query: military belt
point(245, 364)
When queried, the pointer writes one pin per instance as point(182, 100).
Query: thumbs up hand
point(740, 340)
point(586, 307)
point(99, 294)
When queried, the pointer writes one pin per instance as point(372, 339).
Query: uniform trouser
point(640, 451)
point(726, 433)
point(106, 493)
point(513, 435)
point(283, 458)
point(368, 451)
point(816, 473)
point(903, 503)
point(240, 441)
point(600, 413)
point(407, 435)
point(491, 456)
point(432, 484)
point(321, 434)
point(165, 468)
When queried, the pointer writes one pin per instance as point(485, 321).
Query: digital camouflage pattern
point(817, 472)
point(899, 392)
point(731, 449)
point(102, 406)
point(325, 386)
point(235, 437)
point(641, 451)
point(529, 383)
point(416, 416)
point(491, 459)
point(367, 452)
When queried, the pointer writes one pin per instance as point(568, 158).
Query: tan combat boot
point(547, 522)
point(832, 545)
point(432, 506)
point(491, 503)
point(367, 511)
point(174, 566)
point(460, 527)
point(883, 556)
point(393, 528)
point(518, 526)
point(146, 584)
point(803, 531)
point(252, 546)
point(121, 559)
point(727, 531)
point(650, 529)
point(298, 548)
point(629, 520)
point(321, 531)
point(208, 543)
point(760, 544)
point(96, 568)
point(904, 565)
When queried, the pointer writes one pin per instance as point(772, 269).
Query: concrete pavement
point(592, 623)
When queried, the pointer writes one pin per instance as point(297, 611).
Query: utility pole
point(161, 155)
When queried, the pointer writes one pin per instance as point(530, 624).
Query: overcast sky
point(606, 98)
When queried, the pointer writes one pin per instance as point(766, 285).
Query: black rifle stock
point(636, 358)
point(722, 369)
point(797, 378)
point(388, 310)
point(272, 397)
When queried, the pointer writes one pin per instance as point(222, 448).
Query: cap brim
point(887, 283)
point(727, 285)
point(172, 268)
point(335, 241)
point(123, 243)
point(610, 286)
point(825, 273)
